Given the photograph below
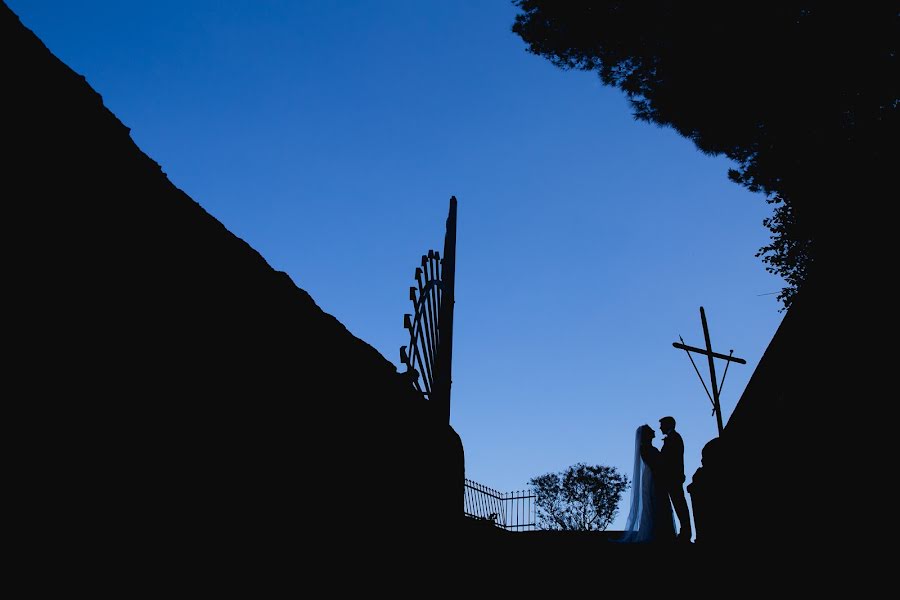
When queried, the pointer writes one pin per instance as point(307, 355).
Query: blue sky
point(331, 135)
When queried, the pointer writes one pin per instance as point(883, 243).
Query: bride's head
point(646, 434)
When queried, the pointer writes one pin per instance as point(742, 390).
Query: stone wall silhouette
point(794, 462)
point(178, 392)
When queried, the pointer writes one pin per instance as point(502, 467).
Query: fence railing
point(513, 511)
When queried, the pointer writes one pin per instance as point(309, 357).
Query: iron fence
point(513, 511)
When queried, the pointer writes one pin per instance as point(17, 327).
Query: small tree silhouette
point(581, 498)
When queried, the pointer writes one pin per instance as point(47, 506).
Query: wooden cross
point(712, 367)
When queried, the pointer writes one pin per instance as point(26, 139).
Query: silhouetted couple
point(657, 486)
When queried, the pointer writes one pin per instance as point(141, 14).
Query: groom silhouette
point(672, 463)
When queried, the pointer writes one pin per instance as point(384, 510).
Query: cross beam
point(710, 355)
point(740, 361)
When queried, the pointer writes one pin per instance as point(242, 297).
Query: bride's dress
point(650, 518)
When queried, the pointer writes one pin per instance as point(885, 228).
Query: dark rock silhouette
point(796, 455)
point(180, 394)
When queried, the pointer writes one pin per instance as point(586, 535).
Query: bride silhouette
point(650, 518)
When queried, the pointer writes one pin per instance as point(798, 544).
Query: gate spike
point(404, 357)
point(412, 294)
point(407, 322)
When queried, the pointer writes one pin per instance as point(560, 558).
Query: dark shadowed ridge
point(183, 398)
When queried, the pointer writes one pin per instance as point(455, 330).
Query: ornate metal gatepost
point(429, 355)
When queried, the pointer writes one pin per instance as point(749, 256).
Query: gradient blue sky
point(330, 136)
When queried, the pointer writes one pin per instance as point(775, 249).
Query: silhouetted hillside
point(798, 455)
point(179, 390)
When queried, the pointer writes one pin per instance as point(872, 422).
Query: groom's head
point(666, 424)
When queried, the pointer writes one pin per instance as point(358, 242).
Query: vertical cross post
point(712, 372)
point(710, 355)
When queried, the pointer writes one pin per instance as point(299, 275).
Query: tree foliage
point(801, 95)
point(581, 498)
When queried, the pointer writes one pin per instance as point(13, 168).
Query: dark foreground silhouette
point(185, 400)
